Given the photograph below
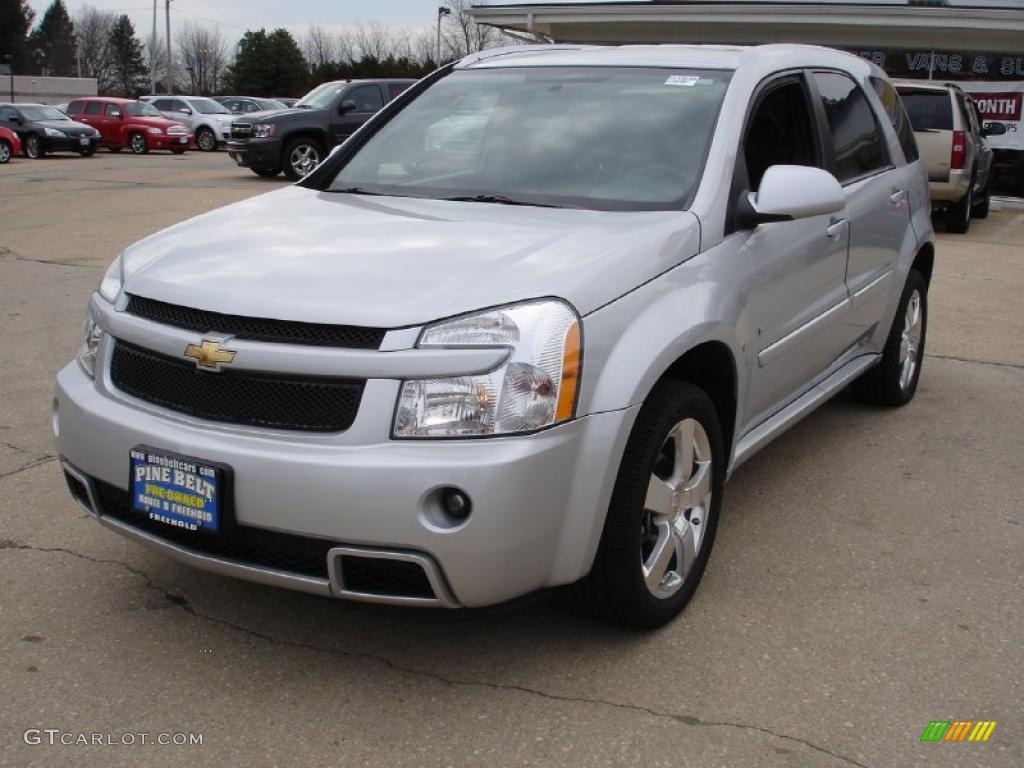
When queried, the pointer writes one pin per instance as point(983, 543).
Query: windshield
point(619, 139)
point(209, 107)
point(141, 109)
point(43, 113)
point(321, 96)
point(269, 104)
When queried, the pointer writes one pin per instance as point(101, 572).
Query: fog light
point(456, 503)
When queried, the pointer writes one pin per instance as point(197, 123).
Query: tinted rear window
point(929, 110)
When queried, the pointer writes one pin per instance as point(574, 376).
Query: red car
point(10, 144)
point(128, 123)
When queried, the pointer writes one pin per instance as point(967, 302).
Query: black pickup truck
point(297, 139)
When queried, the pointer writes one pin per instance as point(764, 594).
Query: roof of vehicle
point(363, 80)
point(727, 57)
point(927, 85)
point(115, 99)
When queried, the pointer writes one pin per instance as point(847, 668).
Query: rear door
point(93, 115)
point(877, 199)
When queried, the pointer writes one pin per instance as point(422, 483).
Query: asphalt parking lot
point(866, 579)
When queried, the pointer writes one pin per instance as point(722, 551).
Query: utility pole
point(442, 11)
point(152, 54)
point(170, 61)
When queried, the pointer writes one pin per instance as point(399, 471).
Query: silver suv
point(208, 120)
point(470, 358)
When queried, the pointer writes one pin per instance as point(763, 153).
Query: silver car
point(208, 120)
point(451, 370)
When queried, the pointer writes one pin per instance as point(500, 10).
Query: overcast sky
point(235, 16)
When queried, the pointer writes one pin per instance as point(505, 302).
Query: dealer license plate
point(177, 490)
point(84, 142)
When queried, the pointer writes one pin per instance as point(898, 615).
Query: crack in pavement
point(25, 467)
point(183, 602)
point(979, 362)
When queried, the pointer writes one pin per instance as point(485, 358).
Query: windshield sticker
point(686, 80)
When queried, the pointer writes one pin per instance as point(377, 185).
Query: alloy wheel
point(5, 152)
point(32, 147)
point(676, 508)
point(137, 143)
point(206, 140)
point(910, 341)
point(304, 158)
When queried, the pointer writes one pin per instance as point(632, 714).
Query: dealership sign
point(1000, 103)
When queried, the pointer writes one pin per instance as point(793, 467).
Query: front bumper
point(951, 190)
point(70, 143)
point(258, 154)
point(177, 141)
point(538, 500)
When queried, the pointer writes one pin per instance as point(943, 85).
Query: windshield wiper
point(500, 199)
point(357, 191)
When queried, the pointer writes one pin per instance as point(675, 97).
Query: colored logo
point(209, 354)
point(958, 730)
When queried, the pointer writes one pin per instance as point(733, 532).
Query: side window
point(94, 107)
point(780, 130)
point(252, 106)
point(113, 110)
point(972, 113)
point(8, 113)
point(897, 116)
point(366, 97)
point(856, 136)
point(161, 104)
point(395, 90)
point(177, 105)
point(74, 107)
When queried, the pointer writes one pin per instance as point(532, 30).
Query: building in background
point(978, 45)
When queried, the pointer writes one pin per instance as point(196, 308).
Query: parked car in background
point(951, 138)
point(206, 119)
point(133, 124)
point(435, 378)
point(248, 104)
point(10, 145)
point(288, 101)
point(296, 140)
point(45, 129)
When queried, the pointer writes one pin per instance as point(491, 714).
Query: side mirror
point(789, 192)
point(994, 129)
point(185, 111)
point(347, 106)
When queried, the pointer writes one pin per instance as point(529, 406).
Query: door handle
point(836, 228)
point(898, 196)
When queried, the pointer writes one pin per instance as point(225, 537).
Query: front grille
point(387, 578)
point(254, 328)
point(252, 546)
point(275, 401)
point(241, 130)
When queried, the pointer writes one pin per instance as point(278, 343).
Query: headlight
point(156, 131)
point(535, 388)
point(110, 285)
point(92, 334)
point(55, 133)
point(263, 130)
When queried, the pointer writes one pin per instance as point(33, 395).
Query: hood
point(158, 122)
point(283, 114)
point(322, 257)
point(70, 127)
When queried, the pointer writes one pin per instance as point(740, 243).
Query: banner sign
point(1000, 103)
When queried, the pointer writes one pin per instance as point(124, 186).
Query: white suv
point(206, 119)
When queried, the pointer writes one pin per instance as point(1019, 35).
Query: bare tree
point(372, 41)
point(319, 46)
point(92, 32)
point(203, 56)
point(463, 35)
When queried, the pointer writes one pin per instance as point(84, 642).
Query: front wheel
point(5, 152)
point(34, 148)
point(300, 157)
point(206, 140)
point(893, 381)
point(137, 144)
point(664, 510)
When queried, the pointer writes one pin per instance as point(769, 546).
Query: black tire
point(33, 147)
point(137, 143)
point(267, 173)
point(884, 385)
point(958, 215)
point(206, 140)
point(311, 147)
point(981, 208)
point(5, 152)
point(615, 588)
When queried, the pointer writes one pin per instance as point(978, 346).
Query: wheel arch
point(317, 134)
point(924, 262)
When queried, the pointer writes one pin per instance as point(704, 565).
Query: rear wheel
point(958, 215)
point(893, 381)
point(34, 147)
point(301, 156)
point(5, 152)
point(137, 144)
point(664, 510)
point(981, 207)
point(206, 140)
